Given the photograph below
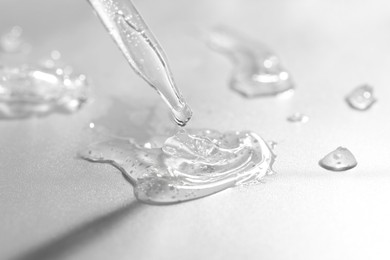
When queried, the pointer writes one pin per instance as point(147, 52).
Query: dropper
point(142, 51)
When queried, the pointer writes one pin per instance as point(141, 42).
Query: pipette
point(142, 51)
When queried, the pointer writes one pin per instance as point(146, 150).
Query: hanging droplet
point(340, 159)
point(143, 52)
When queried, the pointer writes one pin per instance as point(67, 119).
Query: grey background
point(55, 206)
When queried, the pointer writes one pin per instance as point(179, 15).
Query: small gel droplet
point(298, 118)
point(361, 98)
point(340, 159)
point(258, 71)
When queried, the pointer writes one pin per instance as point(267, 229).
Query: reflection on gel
point(189, 165)
point(258, 71)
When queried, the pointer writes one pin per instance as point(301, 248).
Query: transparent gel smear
point(340, 159)
point(361, 98)
point(189, 165)
point(37, 90)
point(257, 70)
point(142, 51)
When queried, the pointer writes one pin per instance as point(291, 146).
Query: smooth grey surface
point(55, 206)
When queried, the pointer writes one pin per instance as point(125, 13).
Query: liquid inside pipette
point(190, 164)
point(142, 51)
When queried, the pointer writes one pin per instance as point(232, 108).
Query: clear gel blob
point(258, 71)
point(142, 51)
point(298, 118)
point(189, 165)
point(12, 41)
point(37, 90)
point(340, 159)
point(361, 98)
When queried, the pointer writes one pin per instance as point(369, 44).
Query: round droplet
point(361, 98)
point(340, 159)
point(298, 118)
